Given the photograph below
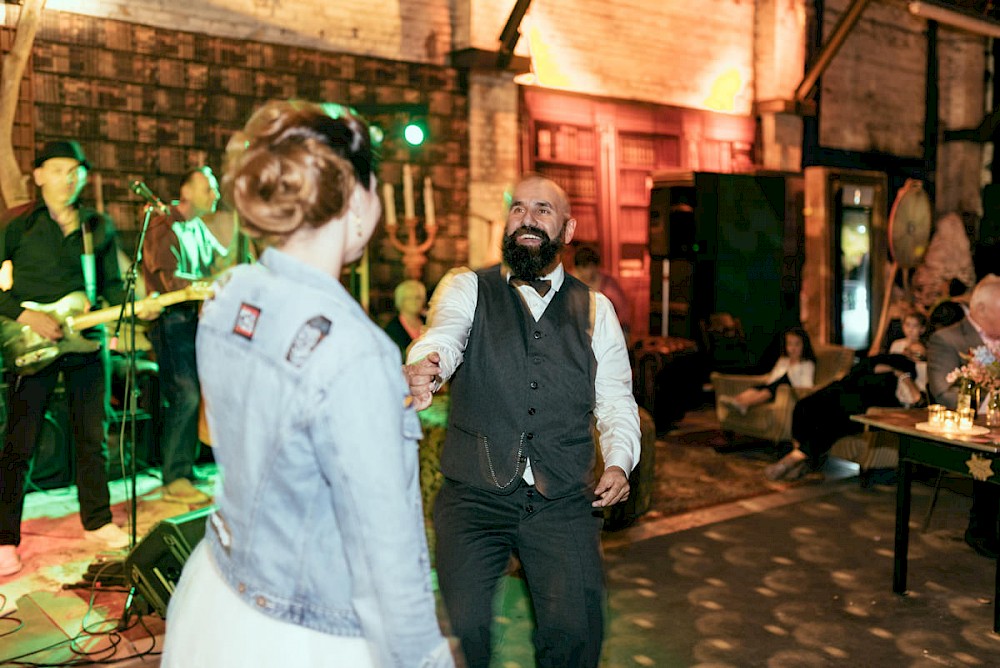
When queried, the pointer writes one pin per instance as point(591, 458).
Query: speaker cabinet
point(726, 243)
point(154, 565)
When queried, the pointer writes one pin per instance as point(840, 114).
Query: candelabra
point(414, 251)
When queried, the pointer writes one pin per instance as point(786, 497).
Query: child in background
point(912, 345)
point(795, 367)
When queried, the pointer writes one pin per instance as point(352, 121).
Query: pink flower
point(982, 367)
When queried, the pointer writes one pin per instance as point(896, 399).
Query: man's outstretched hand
point(421, 377)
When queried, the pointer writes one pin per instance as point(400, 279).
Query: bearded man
point(536, 360)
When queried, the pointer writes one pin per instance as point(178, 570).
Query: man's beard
point(528, 262)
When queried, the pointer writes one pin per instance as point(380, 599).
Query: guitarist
point(45, 240)
point(178, 250)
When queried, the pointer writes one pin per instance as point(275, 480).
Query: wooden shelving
point(603, 153)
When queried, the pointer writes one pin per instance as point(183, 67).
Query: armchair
point(773, 421)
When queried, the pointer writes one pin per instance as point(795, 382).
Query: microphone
point(143, 191)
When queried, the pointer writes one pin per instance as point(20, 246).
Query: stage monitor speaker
point(154, 565)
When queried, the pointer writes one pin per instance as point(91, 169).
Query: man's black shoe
point(984, 545)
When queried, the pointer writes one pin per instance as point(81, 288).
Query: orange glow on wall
point(725, 89)
point(544, 64)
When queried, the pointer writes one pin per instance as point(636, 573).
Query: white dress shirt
point(802, 374)
point(452, 310)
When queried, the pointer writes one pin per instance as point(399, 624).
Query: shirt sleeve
point(942, 357)
point(110, 284)
point(10, 307)
point(616, 411)
point(779, 370)
point(159, 263)
point(450, 320)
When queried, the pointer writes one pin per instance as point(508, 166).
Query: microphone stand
point(131, 398)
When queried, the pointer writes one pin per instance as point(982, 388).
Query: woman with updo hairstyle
point(315, 554)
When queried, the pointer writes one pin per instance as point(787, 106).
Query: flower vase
point(993, 409)
point(967, 390)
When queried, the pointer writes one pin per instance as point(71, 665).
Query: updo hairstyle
point(299, 167)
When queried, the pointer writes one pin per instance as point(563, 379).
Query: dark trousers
point(558, 544)
point(83, 378)
point(819, 419)
point(173, 338)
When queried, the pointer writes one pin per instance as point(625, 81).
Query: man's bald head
point(984, 305)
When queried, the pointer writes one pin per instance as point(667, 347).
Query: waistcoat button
point(534, 384)
point(537, 334)
point(530, 435)
point(531, 411)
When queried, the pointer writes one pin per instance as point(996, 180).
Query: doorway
point(854, 226)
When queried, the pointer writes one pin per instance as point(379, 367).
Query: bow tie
point(541, 285)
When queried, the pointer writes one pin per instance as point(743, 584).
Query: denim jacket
point(318, 519)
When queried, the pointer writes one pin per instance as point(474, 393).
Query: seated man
point(821, 418)
point(944, 350)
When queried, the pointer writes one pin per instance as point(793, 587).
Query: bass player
point(179, 250)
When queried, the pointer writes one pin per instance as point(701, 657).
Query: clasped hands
point(422, 376)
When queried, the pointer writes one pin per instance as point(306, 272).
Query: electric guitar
point(26, 352)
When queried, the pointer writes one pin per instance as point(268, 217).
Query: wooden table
point(976, 457)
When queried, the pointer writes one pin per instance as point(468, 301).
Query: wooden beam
point(13, 185)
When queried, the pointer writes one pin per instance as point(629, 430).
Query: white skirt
point(210, 626)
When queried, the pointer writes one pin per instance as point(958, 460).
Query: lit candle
point(389, 204)
point(428, 203)
point(408, 191)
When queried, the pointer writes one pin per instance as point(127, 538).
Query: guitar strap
point(89, 265)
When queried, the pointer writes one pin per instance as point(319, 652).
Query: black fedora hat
point(62, 149)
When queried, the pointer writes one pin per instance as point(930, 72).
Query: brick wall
point(148, 103)
point(397, 29)
point(873, 94)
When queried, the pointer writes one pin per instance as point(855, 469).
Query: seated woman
point(410, 298)
point(795, 367)
point(821, 418)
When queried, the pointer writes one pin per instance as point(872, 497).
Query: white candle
point(408, 191)
point(428, 203)
point(389, 204)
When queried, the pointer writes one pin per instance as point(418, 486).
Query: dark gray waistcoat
point(524, 390)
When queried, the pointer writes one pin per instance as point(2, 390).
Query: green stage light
point(414, 133)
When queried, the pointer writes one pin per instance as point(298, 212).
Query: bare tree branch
point(13, 186)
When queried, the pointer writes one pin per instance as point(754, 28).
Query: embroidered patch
point(246, 320)
point(307, 338)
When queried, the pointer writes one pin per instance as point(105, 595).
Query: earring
point(356, 223)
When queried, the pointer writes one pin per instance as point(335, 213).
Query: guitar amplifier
point(154, 566)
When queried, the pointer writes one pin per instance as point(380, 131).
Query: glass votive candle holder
point(966, 417)
point(949, 420)
point(934, 413)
